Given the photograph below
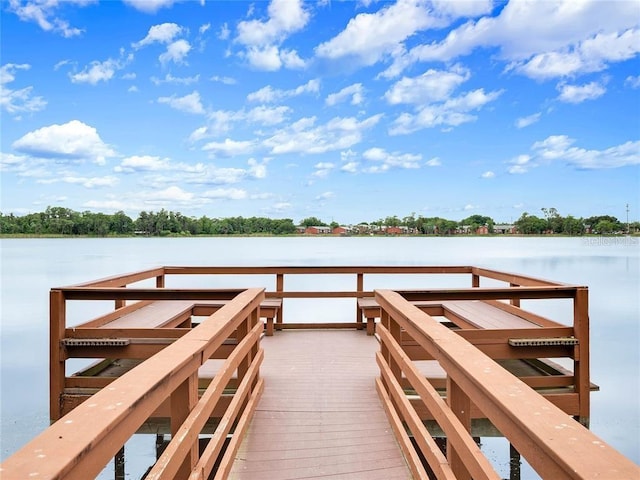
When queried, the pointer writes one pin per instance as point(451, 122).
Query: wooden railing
point(553, 443)
point(278, 290)
point(81, 443)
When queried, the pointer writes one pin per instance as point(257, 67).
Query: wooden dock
point(319, 415)
point(245, 392)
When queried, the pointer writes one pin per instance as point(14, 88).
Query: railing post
point(460, 405)
point(160, 281)
point(183, 399)
point(581, 352)
point(515, 301)
point(280, 288)
point(359, 288)
point(475, 280)
point(396, 333)
point(241, 332)
point(57, 355)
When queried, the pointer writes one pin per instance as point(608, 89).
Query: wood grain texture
point(320, 415)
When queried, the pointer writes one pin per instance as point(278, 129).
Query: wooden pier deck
point(319, 415)
point(246, 393)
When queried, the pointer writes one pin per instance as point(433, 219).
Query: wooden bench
point(146, 315)
point(479, 315)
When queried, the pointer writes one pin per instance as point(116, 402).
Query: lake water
point(610, 267)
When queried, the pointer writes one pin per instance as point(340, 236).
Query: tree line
point(64, 221)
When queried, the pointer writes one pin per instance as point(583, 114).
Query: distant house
point(505, 228)
point(482, 230)
point(317, 230)
point(393, 230)
point(343, 230)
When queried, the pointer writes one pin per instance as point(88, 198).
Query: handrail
point(554, 444)
point(83, 441)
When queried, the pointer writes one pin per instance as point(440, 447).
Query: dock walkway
point(319, 415)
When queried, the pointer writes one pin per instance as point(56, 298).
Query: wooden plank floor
point(319, 415)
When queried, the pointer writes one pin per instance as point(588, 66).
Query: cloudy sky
point(344, 110)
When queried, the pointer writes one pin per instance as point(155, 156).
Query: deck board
point(319, 415)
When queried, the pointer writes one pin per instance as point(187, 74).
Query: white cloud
point(523, 122)
point(268, 115)
point(488, 174)
point(168, 78)
point(560, 147)
point(386, 161)
point(225, 194)
point(353, 92)
point(285, 18)
point(73, 141)
point(43, 13)
point(17, 101)
point(554, 38)
point(176, 52)
point(350, 167)
point(434, 162)
point(270, 95)
point(100, 71)
point(431, 86)
point(162, 33)
point(323, 169)
point(451, 113)
point(168, 195)
point(580, 93)
point(633, 82)
point(262, 39)
point(325, 196)
point(291, 60)
point(90, 182)
point(204, 28)
point(225, 80)
point(150, 6)
point(224, 32)
point(190, 103)
point(229, 148)
point(368, 37)
point(520, 164)
point(304, 136)
point(144, 163)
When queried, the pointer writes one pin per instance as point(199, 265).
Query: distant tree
point(477, 221)
point(530, 224)
point(573, 226)
point(312, 222)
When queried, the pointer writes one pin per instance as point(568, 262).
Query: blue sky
point(345, 110)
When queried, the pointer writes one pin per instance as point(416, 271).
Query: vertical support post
point(514, 463)
point(280, 288)
point(183, 399)
point(118, 465)
point(119, 303)
point(57, 355)
point(160, 281)
point(384, 321)
point(581, 353)
point(475, 280)
point(460, 405)
point(254, 319)
point(359, 289)
point(396, 333)
point(515, 301)
point(241, 332)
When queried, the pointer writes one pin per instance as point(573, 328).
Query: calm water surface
point(609, 267)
